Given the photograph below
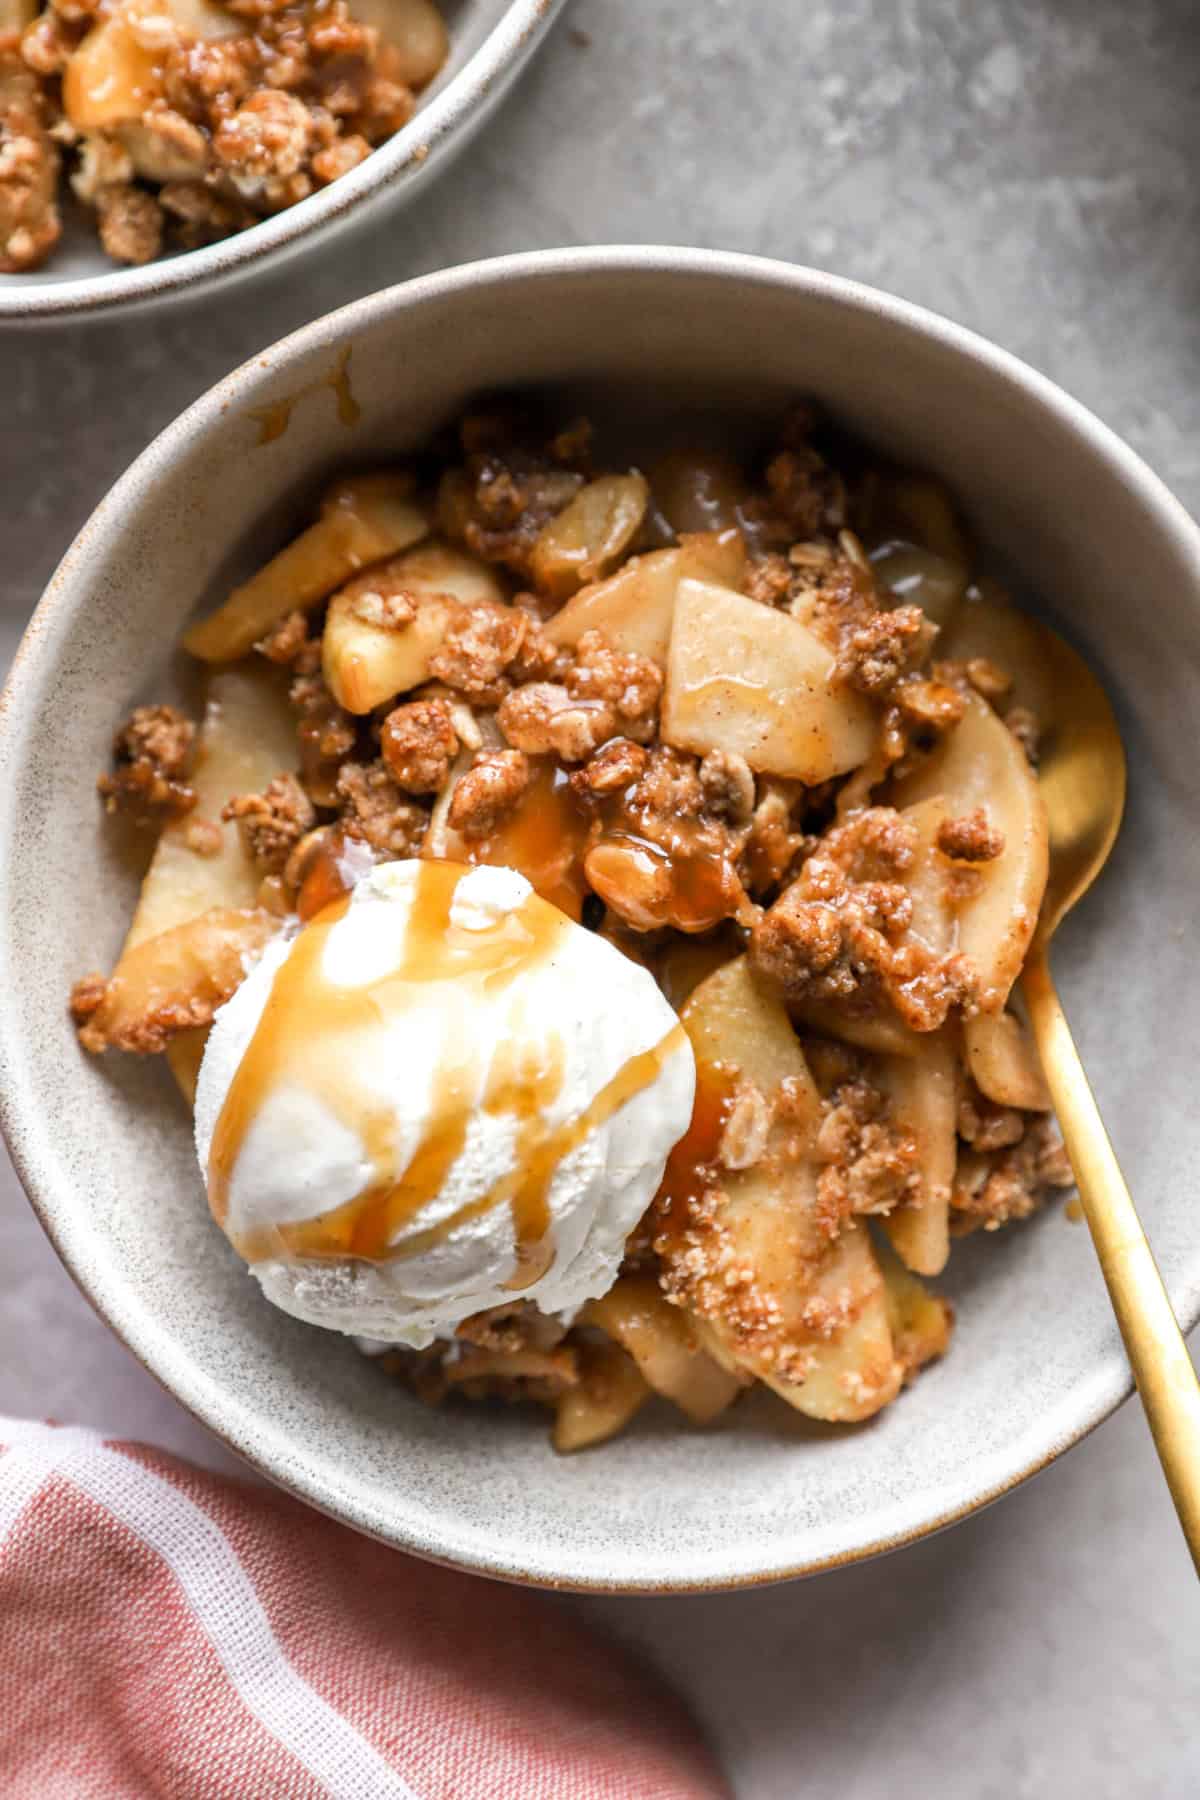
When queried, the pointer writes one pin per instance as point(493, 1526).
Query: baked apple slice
point(414, 32)
point(196, 918)
point(805, 1315)
point(921, 1320)
point(853, 1371)
point(176, 980)
point(633, 609)
point(363, 519)
point(610, 1390)
point(111, 78)
point(981, 765)
point(923, 1094)
point(1003, 1062)
point(664, 1345)
point(736, 1026)
point(988, 626)
point(115, 73)
point(248, 736)
point(366, 663)
point(757, 683)
point(881, 1032)
point(590, 535)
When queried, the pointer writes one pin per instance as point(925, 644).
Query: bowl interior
point(78, 257)
point(105, 1148)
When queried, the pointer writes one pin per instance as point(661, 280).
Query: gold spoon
point(1083, 781)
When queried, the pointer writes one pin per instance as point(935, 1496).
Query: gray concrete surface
point(1030, 169)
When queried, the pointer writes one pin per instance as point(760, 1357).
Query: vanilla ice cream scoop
point(438, 1095)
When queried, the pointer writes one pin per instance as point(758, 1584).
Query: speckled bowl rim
point(227, 1416)
point(404, 159)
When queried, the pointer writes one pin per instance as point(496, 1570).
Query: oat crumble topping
point(178, 124)
point(826, 921)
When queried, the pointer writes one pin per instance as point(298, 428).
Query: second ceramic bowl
point(490, 42)
point(104, 1149)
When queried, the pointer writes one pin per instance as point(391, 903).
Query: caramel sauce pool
point(544, 837)
point(312, 1032)
point(693, 890)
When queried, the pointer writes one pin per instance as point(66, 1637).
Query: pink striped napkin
point(164, 1631)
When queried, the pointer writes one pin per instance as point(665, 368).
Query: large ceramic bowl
point(104, 1149)
point(490, 41)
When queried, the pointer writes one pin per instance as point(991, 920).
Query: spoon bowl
point(1082, 777)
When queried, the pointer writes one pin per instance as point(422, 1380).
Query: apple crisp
point(179, 122)
point(762, 727)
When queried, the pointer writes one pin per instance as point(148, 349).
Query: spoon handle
point(1157, 1353)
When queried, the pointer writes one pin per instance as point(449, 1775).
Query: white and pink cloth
point(169, 1632)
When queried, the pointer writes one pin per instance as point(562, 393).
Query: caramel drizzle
point(544, 837)
point(273, 420)
point(526, 1189)
point(700, 888)
point(311, 1033)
